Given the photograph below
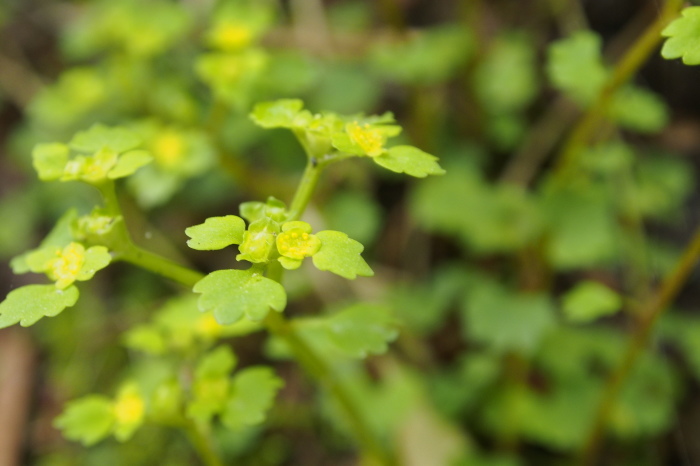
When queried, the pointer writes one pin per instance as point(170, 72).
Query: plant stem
point(306, 188)
point(625, 68)
point(202, 443)
point(670, 287)
point(322, 372)
point(160, 265)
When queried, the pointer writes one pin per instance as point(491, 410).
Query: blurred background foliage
point(515, 279)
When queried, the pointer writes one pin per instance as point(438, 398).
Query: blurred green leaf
point(639, 110)
point(50, 160)
point(590, 300)
point(575, 66)
point(100, 136)
point(129, 162)
point(253, 392)
point(505, 320)
point(277, 114)
point(88, 419)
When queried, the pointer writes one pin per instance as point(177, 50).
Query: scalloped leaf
point(252, 394)
point(409, 160)
point(30, 303)
point(50, 160)
point(216, 233)
point(277, 114)
point(87, 420)
point(129, 162)
point(96, 258)
point(590, 300)
point(100, 136)
point(683, 37)
point(231, 294)
point(341, 255)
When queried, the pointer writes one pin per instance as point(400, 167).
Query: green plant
point(519, 312)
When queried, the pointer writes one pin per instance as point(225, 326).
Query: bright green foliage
point(505, 320)
point(216, 233)
point(238, 24)
point(683, 37)
point(252, 394)
point(112, 156)
point(99, 137)
point(94, 417)
point(232, 76)
point(409, 160)
point(427, 57)
point(258, 241)
point(68, 264)
point(354, 135)
point(179, 327)
point(273, 208)
point(28, 304)
point(283, 113)
point(355, 331)
point(87, 420)
point(232, 294)
point(576, 67)
point(341, 255)
point(590, 300)
point(110, 25)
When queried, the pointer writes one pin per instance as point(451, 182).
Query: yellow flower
point(371, 140)
point(64, 269)
point(169, 148)
point(230, 36)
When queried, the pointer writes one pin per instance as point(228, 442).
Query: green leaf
point(341, 255)
point(639, 109)
point(146, 338)
point(100, 136)
point(88, 420)
point(129, 162)
point(96, 258)
point(409, 160)
point(231, 294)
point(576, 68)
point(590, 300)
point(216, 233)
point(505, 320)
point(277, 114)
point(253, 392)
point(361, 329)
point(30, 303)
point(49, 160)
point(60, 235)
point(683, 37)
point(216, 363)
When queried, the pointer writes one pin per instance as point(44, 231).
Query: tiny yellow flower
point(207, 326)
point(230, 36)
point(371, 140)
point(129, 408)
point(297, 244)
point(67, 264)
point(169, 148)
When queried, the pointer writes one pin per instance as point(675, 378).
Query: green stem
point(306, 188)
point(202, 444)
point(322, 372)
point(160, 265)
point(670, 287)
point(624, 70)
